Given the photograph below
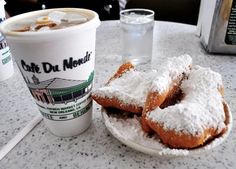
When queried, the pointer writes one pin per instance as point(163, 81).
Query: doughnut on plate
point(127, 129)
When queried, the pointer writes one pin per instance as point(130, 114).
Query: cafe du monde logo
point(57, 90)
point(47, 67)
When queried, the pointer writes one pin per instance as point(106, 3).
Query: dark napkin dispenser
point(217, 26)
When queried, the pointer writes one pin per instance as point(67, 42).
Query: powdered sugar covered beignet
point(169, 71)
point(170, 75)
point(198, 117)
point(128, 90)
point(119, 92)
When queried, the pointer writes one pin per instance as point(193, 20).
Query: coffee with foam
point(53, 20)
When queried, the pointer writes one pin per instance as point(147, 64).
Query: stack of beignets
point(198, 117)
point(181, 103)
point(127, 89)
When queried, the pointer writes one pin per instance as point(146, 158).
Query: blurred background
point(183, 11)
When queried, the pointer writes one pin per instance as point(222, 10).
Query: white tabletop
point(97, 148)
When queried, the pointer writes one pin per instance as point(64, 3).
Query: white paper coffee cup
point(6, 64)
point(58, 67)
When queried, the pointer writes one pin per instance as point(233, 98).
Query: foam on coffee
point(51, 21)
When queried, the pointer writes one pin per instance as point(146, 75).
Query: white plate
point(129, 132)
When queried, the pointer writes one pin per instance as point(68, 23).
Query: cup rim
point(2, 2)
point(93, 22)
point(152, 13)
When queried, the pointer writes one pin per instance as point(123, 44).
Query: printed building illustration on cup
point(58, 90)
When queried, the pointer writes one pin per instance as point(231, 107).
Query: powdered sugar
point(169, 71)
point(129, 132)
point(201, 107)
point(132, 87)
point(130, 129)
